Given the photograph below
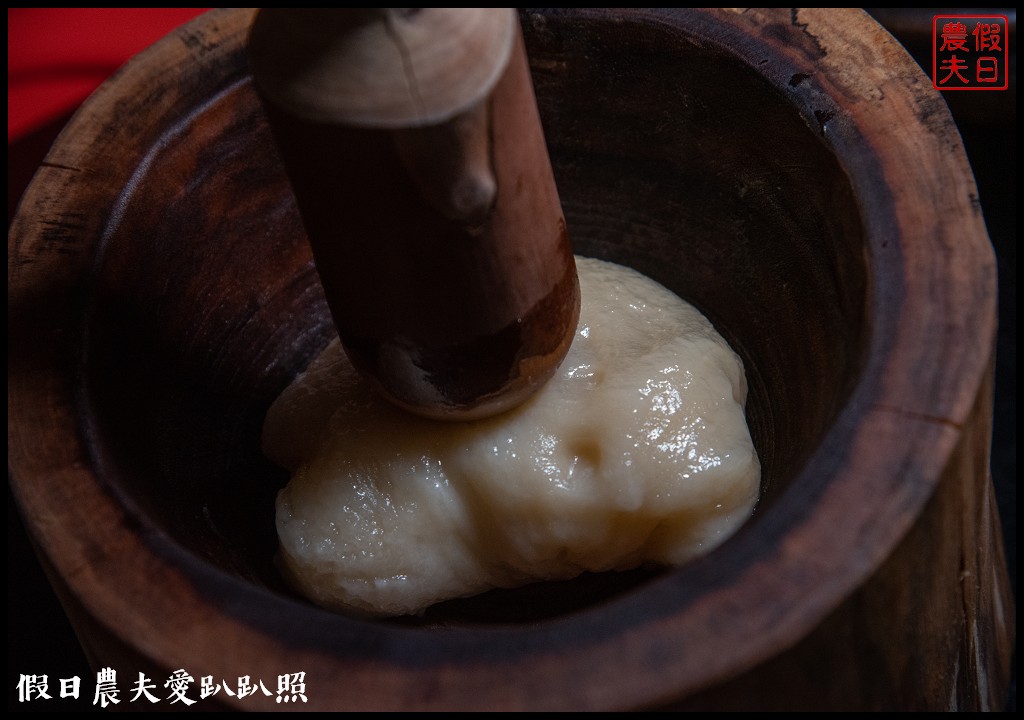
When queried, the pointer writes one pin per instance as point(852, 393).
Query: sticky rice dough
point(636, 452)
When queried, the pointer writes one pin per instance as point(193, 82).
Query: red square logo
point(970, 52)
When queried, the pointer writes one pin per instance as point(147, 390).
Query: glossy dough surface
point(637, 451)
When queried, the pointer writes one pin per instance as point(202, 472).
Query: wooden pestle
point(414, 147)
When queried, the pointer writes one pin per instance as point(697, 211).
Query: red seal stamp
point(970, 52)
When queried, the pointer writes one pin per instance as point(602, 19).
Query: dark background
point(40, 639)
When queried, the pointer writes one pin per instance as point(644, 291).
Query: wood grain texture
point(380, 67)
point(452, 313)
point(792, 173)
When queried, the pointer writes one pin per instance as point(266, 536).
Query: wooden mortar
point(790, 172)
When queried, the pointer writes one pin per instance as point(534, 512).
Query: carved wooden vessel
point(791, 173)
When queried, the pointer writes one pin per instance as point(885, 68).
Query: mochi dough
point(635, 452)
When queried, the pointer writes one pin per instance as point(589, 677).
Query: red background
point(56, 57)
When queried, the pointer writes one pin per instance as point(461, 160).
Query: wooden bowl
point(792, 173)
